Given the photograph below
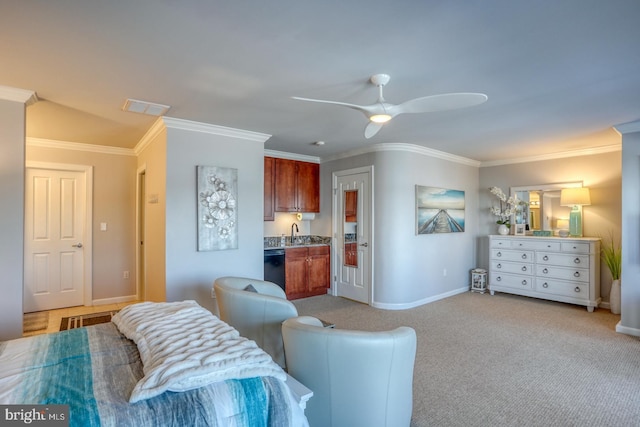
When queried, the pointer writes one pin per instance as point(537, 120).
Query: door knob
point(365, 244)
point(79, 245)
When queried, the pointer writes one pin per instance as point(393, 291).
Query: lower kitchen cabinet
point(307, 271)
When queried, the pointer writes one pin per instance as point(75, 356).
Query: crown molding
point(411, 148)
point(156, 128)
point(78, 146)
point(630, 127)
point(291, 156)
point(554, 156)
point(173, 123)
point(27, 97)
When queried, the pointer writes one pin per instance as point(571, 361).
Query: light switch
point(103, 226)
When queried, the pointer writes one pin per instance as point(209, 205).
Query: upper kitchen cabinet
point(269, 188)
point(297, 186)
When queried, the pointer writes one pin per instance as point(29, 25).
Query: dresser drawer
point(564, 273)
point(565, 260)
point(534, 244)
point(500, 243)
point(511, 281)
point(512, 267)
point(567, 289)
point(500, 254)
point(574, 248)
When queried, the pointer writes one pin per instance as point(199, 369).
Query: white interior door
point(55, 218)
point(352, 229)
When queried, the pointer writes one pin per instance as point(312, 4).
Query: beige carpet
point(505, 360)
point(33, 322)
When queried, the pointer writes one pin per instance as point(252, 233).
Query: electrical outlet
point(125, 274)
point(213, 293)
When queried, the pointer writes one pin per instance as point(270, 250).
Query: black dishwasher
point(274, 266)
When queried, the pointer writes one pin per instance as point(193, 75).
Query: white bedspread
point(183, 347)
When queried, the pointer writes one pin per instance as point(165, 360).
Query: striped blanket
point(94, 370)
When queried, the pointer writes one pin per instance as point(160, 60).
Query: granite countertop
point(299, 241)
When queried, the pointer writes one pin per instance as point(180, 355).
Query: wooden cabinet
point(297, 186)
point(350, 205)
point(269, 188)
point(307, 271)
point(351, 254)
point(553, 268)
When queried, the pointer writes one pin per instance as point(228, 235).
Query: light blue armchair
point(358, 378)
point(257, 315)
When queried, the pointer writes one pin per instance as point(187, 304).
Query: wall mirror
point(350, 228)
point(543, 210)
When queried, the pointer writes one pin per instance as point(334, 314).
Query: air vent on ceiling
point(144, 107)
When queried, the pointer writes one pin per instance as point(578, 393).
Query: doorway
point(141, 214)
point(353, 231)
point(57, 236)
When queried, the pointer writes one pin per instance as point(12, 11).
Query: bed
point(164, 364)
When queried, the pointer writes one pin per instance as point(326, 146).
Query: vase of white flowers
point(508, 206)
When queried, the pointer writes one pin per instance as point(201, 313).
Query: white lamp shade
point(575, 197)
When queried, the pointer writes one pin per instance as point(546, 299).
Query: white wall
point(189, 273)
point(409, 268)
point(630, 280)
point(12, 160)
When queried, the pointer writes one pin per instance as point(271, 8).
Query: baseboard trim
point(605, 305)
point(404, 306)
point(115, 300)
point(627, 330)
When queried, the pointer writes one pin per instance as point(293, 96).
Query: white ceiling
point(559, 73)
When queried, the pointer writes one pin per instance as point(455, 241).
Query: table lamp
point(576, 198)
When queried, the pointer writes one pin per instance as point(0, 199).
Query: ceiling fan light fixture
point(380, 118)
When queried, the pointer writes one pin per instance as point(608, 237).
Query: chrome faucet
point(297, 231)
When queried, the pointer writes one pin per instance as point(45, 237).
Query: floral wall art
point(439, 210)
point(217, 208)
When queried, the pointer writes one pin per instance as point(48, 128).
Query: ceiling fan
point(381, 111)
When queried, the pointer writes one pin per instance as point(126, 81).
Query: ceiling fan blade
point(446, 101)
point(361, 108)
point(371, 129)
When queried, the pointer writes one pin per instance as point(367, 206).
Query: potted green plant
point(612, 257)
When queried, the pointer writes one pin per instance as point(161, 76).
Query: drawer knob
point(524, 283)
point(577, 289)
point(524, 256)
point(545, 285)
point(524, 268)
point(499, 254)
point(576, 274)
point(576, 261)
point(545, 258)
point(498, 279)
point(545, 271)
point(499, 266)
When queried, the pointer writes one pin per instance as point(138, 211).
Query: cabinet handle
point(545, 258)
point(498, 279)
point(545, 285)
point(524, 268)
point(524, 283)
point(499, 266)
point(576, 274)
point(524, 256)
point(576, 261)
point(499, 254)
point(545, 271)
point(577, 289)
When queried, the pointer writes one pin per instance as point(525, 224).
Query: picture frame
point(439, 210)
point(217, 192)
point(520, 229)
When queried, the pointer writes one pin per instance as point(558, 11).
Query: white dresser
point(553, 268)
